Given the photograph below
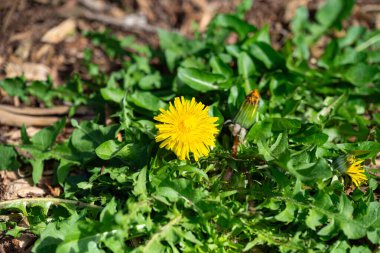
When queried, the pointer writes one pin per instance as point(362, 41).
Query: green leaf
point(259, 130)
point(150, 82)
point(72, 235)
point(219, 67)
point(191, 169)
point(246, 69)
point(360, 249)
point(107, 149)
point(333, 11)
point(365, 149)
point(312, 135)
point(146, 100)
point(8, 160)
point(267, 55)
point(38, 168)
point(329, 230)
point(63, 169)
point(353, 230)
point(241, 27)
point(88, 136)
point(45, 138)
point(283, 124)
point(361, 74)
point(14, 87)
point(140, 189)
point(340, 247)
point(181, 188)
point(354, 33)
point(313, 219)
point(372, 221)
point(24, 135)
point(41, 90)
point(131, 153)
point(177, 46)
point(333, 105)
point(107, 216)
point(200, 80)
point(287, 215)
point(310, 171)
point(112, 94)
point(280, 145)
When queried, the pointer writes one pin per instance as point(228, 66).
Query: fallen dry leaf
point(60, 32)
point(14, 136)
point(22, 188)
point(31, 71)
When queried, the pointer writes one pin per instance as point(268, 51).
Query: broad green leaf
point(280, 145)
point(14, 87)
point(8, 158)
point(146, 100)
point(310, 171)
point(259, 130)
point(219, 67)
point(177, 46)
point(329, 231)
point(107, 149)
point(140, 188)
point(284, 124)
point(41, 90)
point(191, 169)
point(313, 219)
point(339, 247)
point(108, 213)
point(333, 11)
point(150, 82)
point(246, 69)
point(88, 136)
point(287, 215)
point(63, 169)
point(200, 80)
point(372, 221)
point(241, 27)
point(354, 33)
point(312, 135)
point(361, 74)
point(267, 55)
point(181, 188)
point(131, 153)
point(360, 249)
point(332, 106)
point(365, 149)
point(38, 168)
point(45, 138)
point(352, 229)
point(112, 94)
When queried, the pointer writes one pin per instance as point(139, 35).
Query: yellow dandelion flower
point(355, 170)
point(186, 127)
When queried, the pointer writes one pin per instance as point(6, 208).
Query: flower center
point(186, 124)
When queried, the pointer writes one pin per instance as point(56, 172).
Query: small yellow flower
point(186, 127)
point(355, 170)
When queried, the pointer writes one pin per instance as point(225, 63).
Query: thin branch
point(130, 22)
point(58, 110)
point(11, 119)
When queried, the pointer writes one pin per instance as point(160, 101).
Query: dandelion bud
point(246, 115)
